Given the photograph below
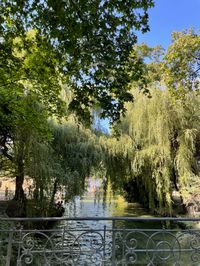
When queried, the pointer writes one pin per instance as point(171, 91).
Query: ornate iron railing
point(100, 241)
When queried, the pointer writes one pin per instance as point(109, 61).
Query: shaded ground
point(7, 189)
point(3, 205)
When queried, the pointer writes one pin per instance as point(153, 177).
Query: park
point(99, 133)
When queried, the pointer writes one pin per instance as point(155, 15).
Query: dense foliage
point(155, 158)
point(62, 164)
point(60, 61)
point(182, 63)
point(30, 93)
point(157, 151)
point(92, 39)
point(58, 56)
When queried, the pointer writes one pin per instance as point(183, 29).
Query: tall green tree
point(46, 43)
point(93, 40)
point(30, 87)
point(182, 63)
point(63, 162)
point(79, 153)
point(157, 150)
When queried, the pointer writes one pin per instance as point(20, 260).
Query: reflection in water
point(148, 242)
point(94, 204)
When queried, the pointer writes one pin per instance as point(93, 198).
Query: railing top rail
point(114, 218)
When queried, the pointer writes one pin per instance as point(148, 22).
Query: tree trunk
point(19, 198)
point(174, 179)
point(174, 149)
point(19, 191)
point(41, 193)
point(55, 187)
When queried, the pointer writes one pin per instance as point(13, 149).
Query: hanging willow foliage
point(72, 155)
point(156, 152)
point(78, 151)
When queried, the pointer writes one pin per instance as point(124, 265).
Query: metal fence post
point(113, 243)
point(104, 245)
point(9, 248)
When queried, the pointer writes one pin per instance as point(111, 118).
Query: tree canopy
point(93, 40)
point(60, 61)
point(157, 150)
point(182, 63)
point(156, 153)
point(55, 48)
point(29, 87)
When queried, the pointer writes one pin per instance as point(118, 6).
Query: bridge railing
point(99, 241)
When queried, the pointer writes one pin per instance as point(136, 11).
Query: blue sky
point(168, 16)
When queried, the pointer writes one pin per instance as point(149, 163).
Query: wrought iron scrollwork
point(114, 244)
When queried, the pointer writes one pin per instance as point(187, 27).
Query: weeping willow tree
point(157, 150)
point(71, 155)
point(156, 156)
point(53, 152)
point(28, 144)
point(79, 153)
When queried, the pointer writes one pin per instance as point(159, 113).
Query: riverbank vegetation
point(53, 79)
point(157, 147)
point(59, 61)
